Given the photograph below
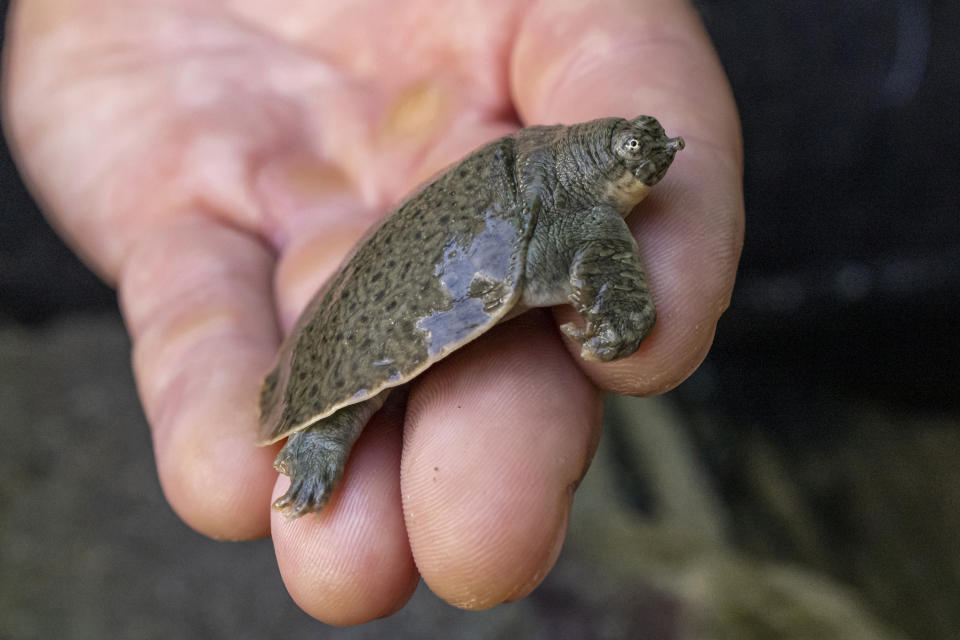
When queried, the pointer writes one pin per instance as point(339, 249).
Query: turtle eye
point(630, 145)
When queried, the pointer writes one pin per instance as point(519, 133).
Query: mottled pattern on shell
point(439, 271)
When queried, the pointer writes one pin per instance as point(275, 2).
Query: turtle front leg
point(608, 287)
point(315, 457)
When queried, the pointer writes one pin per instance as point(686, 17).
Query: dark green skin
point(533, 219)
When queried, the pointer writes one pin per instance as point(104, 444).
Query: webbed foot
point(315, 457)
point(315, 464)
point(613, 337)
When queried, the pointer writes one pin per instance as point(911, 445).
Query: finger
point(315, 215)
point(498, 436)
point(450, 148)
point(650, 57)
point(352, 563)
point(196, 297)
point(327, 561)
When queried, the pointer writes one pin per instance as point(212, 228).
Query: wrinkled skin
point(533, 219)
point(215, 160)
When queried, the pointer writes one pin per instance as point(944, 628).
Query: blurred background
point(803, 483)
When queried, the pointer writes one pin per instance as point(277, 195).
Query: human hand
point(215, 161)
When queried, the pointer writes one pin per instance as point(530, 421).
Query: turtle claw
point(315, 457)
point(574, 332)
point(303, 497)
point(606, 339)
point(315, 466)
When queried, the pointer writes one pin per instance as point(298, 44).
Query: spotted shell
point(439, 271)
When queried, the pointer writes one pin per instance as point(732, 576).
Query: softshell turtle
point(532, 219)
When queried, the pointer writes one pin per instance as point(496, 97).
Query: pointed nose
point(675, 144)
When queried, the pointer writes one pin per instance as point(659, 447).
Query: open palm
point(216, 160)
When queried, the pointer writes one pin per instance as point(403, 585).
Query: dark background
point(839, 354)
point(851, 121)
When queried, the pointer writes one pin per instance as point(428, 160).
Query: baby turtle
point(533, 219)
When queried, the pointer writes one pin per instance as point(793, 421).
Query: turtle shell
point(438, 272)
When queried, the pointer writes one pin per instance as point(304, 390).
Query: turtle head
point(644, 149)
point(615, 160)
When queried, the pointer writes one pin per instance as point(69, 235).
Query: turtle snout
point(653, 168)
point(675, 144)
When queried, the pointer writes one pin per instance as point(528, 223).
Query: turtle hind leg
point(315, 457)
